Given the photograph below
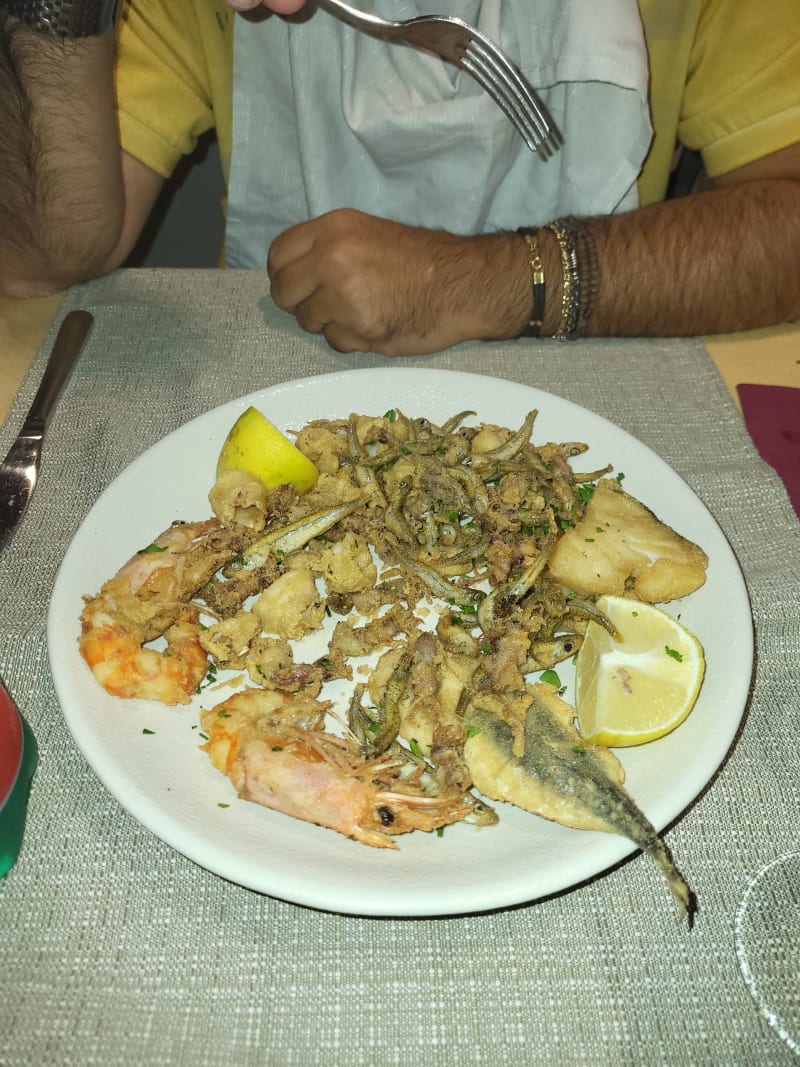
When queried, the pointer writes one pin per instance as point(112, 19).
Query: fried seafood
point(621, 547)
point(527, 752)
point(464, 558)
point(277, 755)
point(238, 498)
point(150, 597)
point(147, 598)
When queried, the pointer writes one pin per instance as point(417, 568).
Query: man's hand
point(369, 284)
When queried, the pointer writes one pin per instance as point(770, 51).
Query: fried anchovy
point(282, 540)
point(510, 448)
point(553, 754)
point(375, 733)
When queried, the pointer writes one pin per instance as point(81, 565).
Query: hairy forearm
point(714, 262)
point(61, 196)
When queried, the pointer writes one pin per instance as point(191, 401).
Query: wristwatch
point(65, 18)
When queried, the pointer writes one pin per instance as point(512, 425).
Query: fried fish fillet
point(621, 547)
point(536, 759)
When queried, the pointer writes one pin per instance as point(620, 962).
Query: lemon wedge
point(254, 444)
point(641, 685)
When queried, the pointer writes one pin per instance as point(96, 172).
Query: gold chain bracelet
point(580, 274)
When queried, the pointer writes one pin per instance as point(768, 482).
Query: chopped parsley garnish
point(413, 744)
point(150, 548)
point(210, 678)
point(146, 731)
point(391, 415)
point(674, 653)
point(551, 678)
point(221, 805)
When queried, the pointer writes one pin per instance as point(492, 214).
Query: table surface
point(762, 357)
point(115, 949)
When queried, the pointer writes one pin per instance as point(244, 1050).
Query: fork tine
point(499, 90)
point(497, 69)
point(509, 77)
point(529, 94)
point(530, 135)
point(533, 131)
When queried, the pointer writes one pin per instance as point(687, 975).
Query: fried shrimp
point(275, 754)
point(147, 598)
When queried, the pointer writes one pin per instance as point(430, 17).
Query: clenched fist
point(369, 284)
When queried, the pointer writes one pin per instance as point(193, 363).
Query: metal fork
point(472, 51)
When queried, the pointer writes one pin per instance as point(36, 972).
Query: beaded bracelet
point(538, 285)
point(580, 274)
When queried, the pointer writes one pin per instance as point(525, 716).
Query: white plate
point(169, 785)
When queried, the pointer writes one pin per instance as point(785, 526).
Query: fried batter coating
point(621, 547)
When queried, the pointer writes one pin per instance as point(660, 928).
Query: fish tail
point(603, 797)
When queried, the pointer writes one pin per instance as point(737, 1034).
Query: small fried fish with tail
point(527, 752)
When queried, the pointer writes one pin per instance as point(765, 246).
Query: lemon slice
point(641, 686)
point(254, 444)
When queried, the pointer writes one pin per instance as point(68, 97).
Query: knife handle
point(68, 343)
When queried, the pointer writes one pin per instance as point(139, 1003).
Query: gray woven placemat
point(118, 950)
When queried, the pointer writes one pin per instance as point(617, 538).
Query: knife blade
point(19, 471)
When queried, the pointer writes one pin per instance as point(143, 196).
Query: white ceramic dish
point(165, 781)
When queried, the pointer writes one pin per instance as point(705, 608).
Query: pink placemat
point(772, 414)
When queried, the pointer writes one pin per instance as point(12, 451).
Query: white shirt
point(325, 116)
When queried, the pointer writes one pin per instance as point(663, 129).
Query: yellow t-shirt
point(724, 80)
